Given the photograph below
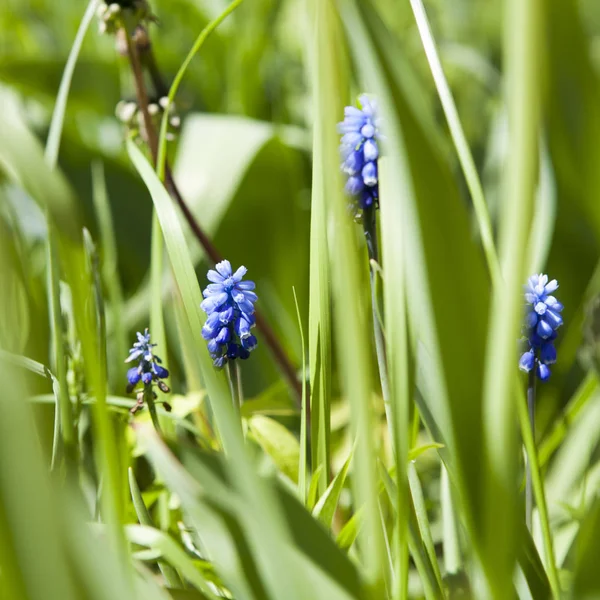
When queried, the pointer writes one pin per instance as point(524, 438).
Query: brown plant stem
point(277, 350)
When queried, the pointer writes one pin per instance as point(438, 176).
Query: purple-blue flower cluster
point(149, 367)
point(229, 305)
point(360, 150)
point(542, 320)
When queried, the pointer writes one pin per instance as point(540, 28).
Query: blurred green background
point(243, 162)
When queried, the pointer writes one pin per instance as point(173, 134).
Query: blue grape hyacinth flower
point(229, 305)
point(359, 149)
point(149, 368)
point(542, 319)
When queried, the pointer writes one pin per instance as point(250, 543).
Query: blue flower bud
point(229, 304)
point(359, 149)
point(542, 319)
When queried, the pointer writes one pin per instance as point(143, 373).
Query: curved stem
point(277, 350)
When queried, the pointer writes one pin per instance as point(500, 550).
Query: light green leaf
point(278, 443)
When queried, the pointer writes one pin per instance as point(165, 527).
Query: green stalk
point(460, 141)
point(370, 229)
point(67, 426)
point(538, 488)
point(162, 137)
point(149, 400)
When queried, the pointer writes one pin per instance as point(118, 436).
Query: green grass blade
point(319, 312)
point(162, 140)
point(58, 116)
point(460, 141)
point(302, 466)
point(452, 556)
point(578, 402)
point(394, 184)
point(324, 509)
point(352, 338)
point(416, 492)
point(523, 25)
point(169, 573)
point(110, 271)
point(145, 535)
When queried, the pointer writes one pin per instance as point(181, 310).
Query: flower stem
point(529, 482)
point(370, 229)
point(149, 400)
point(237, 369)
point(233, 380)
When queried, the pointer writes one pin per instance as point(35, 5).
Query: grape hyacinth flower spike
point(229, 305)
point(148, 371)
point(359, 149)
point(542, 320)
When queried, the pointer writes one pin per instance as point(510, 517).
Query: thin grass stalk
point(460, 141)
point(302, 466)
point(204, 34)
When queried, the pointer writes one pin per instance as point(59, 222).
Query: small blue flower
point(149, 368)
point(359, 149)
point(229, 305)
point(542, 319)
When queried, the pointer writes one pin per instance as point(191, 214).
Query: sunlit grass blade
point(302, 465)
point(324, 509)
point(460, 141)
point(58, 115)
point(319, 316)
point(578, 402)
point(452, 554)
point(169, 573)
point(145, 535)
point(162, 140)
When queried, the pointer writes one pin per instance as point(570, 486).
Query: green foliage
point(489, 169)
